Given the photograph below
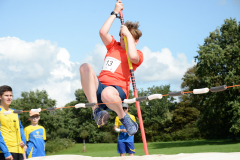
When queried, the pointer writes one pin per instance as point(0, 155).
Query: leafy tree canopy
point(218, 63)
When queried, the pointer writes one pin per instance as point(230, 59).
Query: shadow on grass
point(158, 145)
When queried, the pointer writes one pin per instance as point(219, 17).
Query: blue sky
point(43, 43)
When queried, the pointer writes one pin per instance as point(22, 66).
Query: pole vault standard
point(135, 92)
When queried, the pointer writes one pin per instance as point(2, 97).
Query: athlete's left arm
point(132, 50)
point(22, 132)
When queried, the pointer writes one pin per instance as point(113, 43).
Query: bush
point(58, 144)
point(189, 132)
point(62, 132)
point(108, 138)
point(162, 137)
point(165, 137)
point(157, 139)
point(51, 136)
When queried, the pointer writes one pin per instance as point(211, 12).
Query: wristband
point(117, 130)
point(113, 13)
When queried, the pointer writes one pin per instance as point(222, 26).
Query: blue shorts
point(101, 86)
point(126, 147)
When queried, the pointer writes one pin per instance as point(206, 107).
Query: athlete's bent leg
point(90, 86)
point(110, 94)
point(89, 83)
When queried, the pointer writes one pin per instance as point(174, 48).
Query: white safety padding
point(36, 110)
point(129, 100)
point(117, 130)
point(7, 112)
point(201, 91)
point(155, 96)
point(80, 105)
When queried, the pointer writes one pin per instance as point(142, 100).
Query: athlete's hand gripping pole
point(135, 92)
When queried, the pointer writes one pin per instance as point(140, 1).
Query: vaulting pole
point(135, 92)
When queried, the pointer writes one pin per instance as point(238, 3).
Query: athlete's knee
point(109, 94)
point(85, 68)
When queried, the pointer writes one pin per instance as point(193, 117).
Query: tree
point(51, 121)
point(155, 113)
point(186, 111)
point(77, 120)
point(84, 135)
point(185, 114)
point(218, 63)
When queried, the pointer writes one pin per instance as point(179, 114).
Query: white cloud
point(162, 66)
point(38, 65)
point(62, 91)
point(43, 65)
point(96, 58)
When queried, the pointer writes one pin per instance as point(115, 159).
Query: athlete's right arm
point(105, 36)
point(3, 147)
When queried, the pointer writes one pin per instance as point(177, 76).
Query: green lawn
point(110, 149)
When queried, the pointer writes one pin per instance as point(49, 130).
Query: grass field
point(198, 146)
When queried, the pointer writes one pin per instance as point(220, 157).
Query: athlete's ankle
point(94, 109)
point(122, 115)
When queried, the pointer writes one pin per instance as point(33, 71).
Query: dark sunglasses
point(125, 108)
point(34, 117)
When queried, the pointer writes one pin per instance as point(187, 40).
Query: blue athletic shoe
point(100, 117)
point(129, 124)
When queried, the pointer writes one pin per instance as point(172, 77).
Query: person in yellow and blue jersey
point(125, 142)
point(36, 136)
point(12, 138)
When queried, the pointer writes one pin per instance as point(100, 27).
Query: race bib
point(111, 64)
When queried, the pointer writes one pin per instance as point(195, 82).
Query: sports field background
point(176, 147)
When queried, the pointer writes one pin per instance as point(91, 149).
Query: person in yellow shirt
point(125, 141)
point(12, 138)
